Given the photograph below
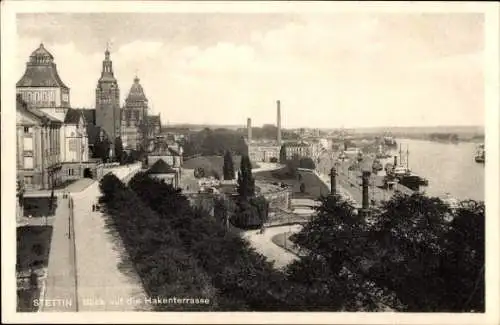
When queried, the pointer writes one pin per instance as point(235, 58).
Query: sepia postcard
point(250, 162)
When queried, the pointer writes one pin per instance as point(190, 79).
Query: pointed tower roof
point(107, 74)
point(136, 92)
point(41, 71)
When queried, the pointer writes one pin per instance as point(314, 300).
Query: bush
point(240, 275)
point(199, 172)
point(165, 268)
point(273, 160)
point(307, 163)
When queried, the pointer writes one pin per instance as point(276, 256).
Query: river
point(450, 168)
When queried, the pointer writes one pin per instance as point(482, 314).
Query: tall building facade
point(107, 102)
point(134, 116)
point(37, 147)
point(44, 94)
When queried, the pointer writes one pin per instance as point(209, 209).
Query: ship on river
point(480, 154)
point(390, 142)
point(377, 166)
point(402, 174)
point(382, 152)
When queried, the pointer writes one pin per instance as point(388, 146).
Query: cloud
point(327, 71)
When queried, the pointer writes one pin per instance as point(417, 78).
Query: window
point(71, 172)
point(26, 129)
point(28, 180)
point(28, 162)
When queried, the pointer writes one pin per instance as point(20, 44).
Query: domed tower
point(41, 87)
point(107, 101)
point(134, 115)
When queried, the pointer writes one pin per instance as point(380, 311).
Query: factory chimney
point(249, 129)
point(333, 181)
point(279, 122)
point(395, 161)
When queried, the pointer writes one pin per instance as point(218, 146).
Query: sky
point(328, 69)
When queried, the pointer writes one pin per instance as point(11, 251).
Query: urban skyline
point(238, 65)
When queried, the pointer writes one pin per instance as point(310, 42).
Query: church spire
point(107, 67)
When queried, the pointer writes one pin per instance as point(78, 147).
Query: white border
point(492, 89)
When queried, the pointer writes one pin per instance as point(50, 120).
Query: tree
point(199, 172)
point(228, 168)
point(307, 162)
point(101, 149)
point(283, 154)
point(409, 251)
point(293, 165)
point(119, 153)
point(20, 192)
point(246, 182)
point(261, 206)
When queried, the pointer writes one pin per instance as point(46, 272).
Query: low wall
point(282, 217)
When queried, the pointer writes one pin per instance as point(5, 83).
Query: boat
point(377, 166)
point(403, 175)
point(360, 156)
point(342, 156)
point(480, 154)
point(388, 167)
point(390, 142)
point(382, 153)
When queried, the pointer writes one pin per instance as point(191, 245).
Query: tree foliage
point(283, 154)
point(243, 279)
point(409, 251)
point(156, 251)
point(246, 181)
point(208, 142)
point(307, 162)
point(228, 168)
point(119, 153)
point(101, 149)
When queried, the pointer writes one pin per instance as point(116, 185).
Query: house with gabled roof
point(163, 171)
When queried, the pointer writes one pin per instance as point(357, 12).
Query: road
point(263, 244)
point(104, 281)
point(87, 261)
point(349, 182)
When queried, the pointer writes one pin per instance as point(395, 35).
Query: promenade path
point(59, 287)
point(105, 281)
point(264, 245)
point(87, 264)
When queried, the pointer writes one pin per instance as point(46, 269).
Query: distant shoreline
point(445, 141)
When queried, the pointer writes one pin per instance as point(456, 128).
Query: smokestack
point(366, 203)
point(395, 161)
point(279, 122)
point(333, 181)
point(249, 129)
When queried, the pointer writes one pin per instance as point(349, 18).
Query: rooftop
point(73, 116)
point(41, 71)
point(161, 167)
point(41, 116)
point(136, 92)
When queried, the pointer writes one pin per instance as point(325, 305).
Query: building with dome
point(134, 117)
point(136, 122)
point(43, 92)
